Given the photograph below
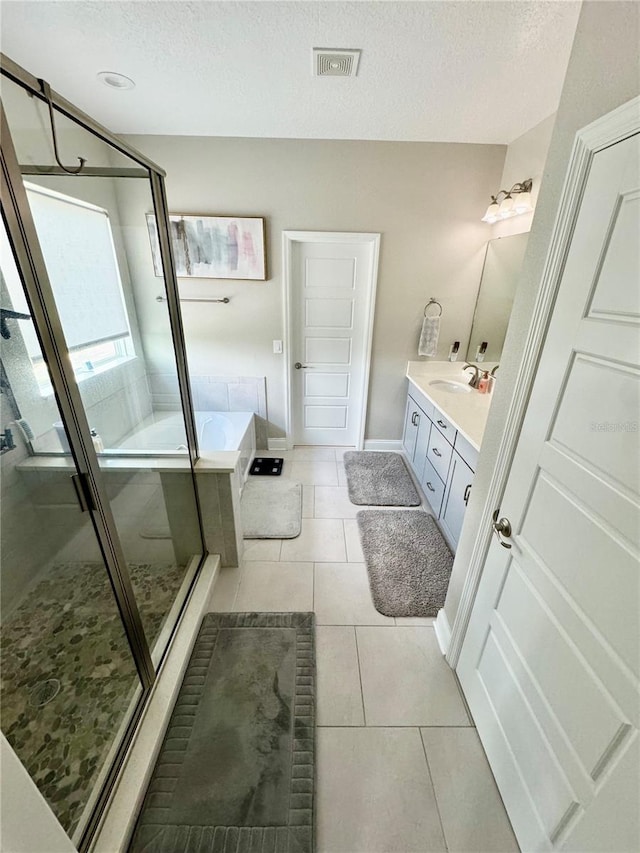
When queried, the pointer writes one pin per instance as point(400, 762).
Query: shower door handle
point(83, 492)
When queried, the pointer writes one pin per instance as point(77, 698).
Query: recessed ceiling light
point(115, 81)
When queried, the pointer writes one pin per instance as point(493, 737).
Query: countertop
point(468, 412)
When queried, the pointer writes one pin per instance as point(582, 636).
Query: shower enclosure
point(100, 546)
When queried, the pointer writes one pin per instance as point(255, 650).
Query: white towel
point(429, 336)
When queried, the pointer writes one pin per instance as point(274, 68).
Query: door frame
point(605, 131)
point(289, 239)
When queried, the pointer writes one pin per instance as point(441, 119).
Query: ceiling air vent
point(335, 62)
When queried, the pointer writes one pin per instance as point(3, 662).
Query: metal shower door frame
point(23, 237)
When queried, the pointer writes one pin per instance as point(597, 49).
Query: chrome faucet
point(476, 376)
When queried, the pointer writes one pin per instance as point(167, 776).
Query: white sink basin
point(450, 386)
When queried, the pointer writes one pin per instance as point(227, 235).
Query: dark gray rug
point(236, 769)
point(379, 479)
point(407, 559)
point(271, 508)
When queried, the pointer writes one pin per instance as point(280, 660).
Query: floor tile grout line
point(389, 726)
point(364, 710)
point(433, 787)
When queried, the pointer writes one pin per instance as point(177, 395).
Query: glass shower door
point(109, 291)
point(101, 536)
point(69, 687)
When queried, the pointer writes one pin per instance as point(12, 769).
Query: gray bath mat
point(236, 769)
point(271, 509)
point(379, 479)
point(408, 561)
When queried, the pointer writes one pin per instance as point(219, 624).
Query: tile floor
point(400, 767)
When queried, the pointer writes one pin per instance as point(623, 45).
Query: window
point(77, 243)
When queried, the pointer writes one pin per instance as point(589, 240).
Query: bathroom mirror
point(500, 274)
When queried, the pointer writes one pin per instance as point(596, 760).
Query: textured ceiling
point(470, 71)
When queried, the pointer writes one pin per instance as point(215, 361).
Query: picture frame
point(227, 247)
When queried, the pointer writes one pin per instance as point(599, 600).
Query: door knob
point(502, 528)
point(299, 366)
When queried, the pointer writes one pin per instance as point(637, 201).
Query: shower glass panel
point(93, 230)
point(69, 685)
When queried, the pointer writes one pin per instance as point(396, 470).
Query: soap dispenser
point(98, 443)
point(483, 384)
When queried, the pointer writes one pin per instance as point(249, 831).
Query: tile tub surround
point(469, 412)
point(216, 394)
point(383, 784)
point(217, 480)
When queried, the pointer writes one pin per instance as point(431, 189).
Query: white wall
point(426, 200)
point(602, 74)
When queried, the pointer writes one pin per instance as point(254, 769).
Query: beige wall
point(526, 158)
point(425, 199)
point(602, 74)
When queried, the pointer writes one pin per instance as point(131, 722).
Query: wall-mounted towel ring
point(432, 302)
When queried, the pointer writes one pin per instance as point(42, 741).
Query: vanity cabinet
point(417, 429)
point(459, 484)
point(442, 460)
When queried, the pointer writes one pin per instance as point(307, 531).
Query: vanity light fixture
point(513, 202)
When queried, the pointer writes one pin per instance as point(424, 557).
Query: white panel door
point(331, 292)
point(550, 662)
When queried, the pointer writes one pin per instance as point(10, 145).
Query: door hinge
point(83, 492)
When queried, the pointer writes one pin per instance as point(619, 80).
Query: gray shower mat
point(271, 509)
point(236, 769)
point(379, 479)
point(407, 559)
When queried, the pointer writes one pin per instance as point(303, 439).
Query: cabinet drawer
point(444, 425)
point(433, 487)
point(439, 453)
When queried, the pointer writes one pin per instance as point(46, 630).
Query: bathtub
point(164, 433)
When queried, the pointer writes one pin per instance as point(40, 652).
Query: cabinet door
point(422, 443)
point(410, 429)
point(456, 498)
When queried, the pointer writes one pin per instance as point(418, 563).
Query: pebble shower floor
point(68, 677)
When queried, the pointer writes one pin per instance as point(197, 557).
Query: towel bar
point(195, 299)
point(433, 301)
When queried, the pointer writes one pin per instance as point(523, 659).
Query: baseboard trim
point(382, 444)
point(122, 810)
point(276, 444)
point(443, 631)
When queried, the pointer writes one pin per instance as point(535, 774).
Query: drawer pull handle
point(430, 487)
point(442, 424)
point(467, 492)
point(414, 418)
point(436, 451)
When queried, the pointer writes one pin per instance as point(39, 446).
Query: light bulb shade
point(492, 215)
point(506, 208)
point(522, 203)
